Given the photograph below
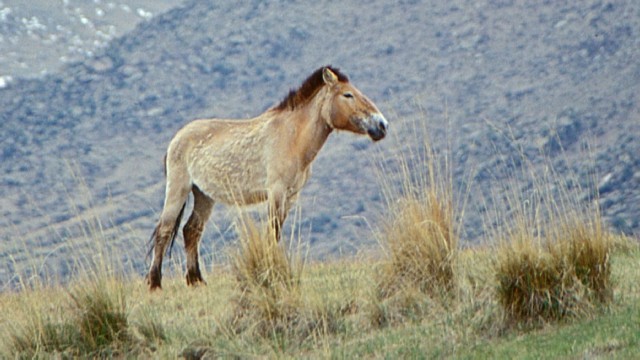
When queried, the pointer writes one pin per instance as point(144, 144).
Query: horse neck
point(312, 128)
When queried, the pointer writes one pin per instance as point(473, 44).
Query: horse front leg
point(278, 209)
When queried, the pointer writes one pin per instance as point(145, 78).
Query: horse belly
point(237, 178)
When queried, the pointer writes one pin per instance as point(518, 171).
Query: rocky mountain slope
point(39, 36)
point(81, 147)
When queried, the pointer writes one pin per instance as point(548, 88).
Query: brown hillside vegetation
point(547, 80)
point(327, 313)
point(553, 273)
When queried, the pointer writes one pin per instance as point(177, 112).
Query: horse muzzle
point(377, 127)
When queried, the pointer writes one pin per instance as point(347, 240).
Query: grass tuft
point(100, 317)
point(40, 334)
point(587, 249)
point(532, 285)
point(420, 265)
point(269, 287)
point(421, 247)
point(270, 304)
point(95, 325)
point(560, 271)
point(420, 239)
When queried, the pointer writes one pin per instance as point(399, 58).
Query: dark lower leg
point(192, 233)
point(154, 278)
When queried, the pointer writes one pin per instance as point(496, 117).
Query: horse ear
point(329, 76)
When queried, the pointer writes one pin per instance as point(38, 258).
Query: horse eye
point(348, 95)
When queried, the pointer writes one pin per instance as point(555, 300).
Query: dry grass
point(419, 237)
point(421, 246)
point(268, 286)
point(269, 301)
point(587, 249)
point(554, 279)
point(95, 324)
point(425, 296)
point(420, 263)
point(86, 317)
point(553, 256)
point(331, 317)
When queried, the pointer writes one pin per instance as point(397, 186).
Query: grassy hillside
point(338, 304)
point(494, 79)
point(550, 282)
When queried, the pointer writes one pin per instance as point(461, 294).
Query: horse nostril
point(377, 126)
point(382, 123)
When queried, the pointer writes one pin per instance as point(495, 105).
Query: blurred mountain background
point(91, 92)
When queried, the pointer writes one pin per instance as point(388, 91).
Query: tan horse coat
point(267, 158)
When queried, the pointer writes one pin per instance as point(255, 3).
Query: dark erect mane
point(308, 89)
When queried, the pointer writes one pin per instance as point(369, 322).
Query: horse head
point(351, 110)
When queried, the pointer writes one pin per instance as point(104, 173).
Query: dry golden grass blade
point(553, 259)
point(419, 236)
point(268, 298)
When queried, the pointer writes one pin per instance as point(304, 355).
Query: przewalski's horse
point(267, 158)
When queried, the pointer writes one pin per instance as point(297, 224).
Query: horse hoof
point(153, 281)
point(196, 282)
point(195, 279)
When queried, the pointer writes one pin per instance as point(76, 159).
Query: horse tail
point(151, 243)
point(174, 232)
point(172, 236)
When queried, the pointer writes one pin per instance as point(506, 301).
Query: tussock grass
point(419, 236)
point(587, 249)
point(272, 304)
point(421, 246)
point(95, 324)
point(100, 316)
point(419, 268)
point(564, 275)
point(553, 255)
point(553, 252)
point(182, 321)
point(268, 285)
point(88, 315)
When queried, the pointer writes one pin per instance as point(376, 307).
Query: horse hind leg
point(166, 231)
point(192, 232)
